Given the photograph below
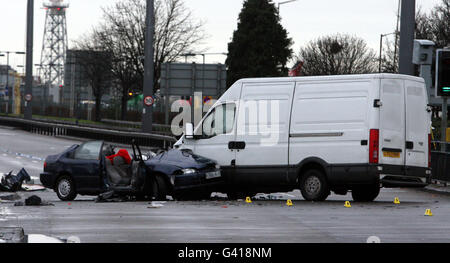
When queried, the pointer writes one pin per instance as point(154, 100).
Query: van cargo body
point(319, 134)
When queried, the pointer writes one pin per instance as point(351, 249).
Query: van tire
point(314, 185)
point(366, 193)
point(65, 188)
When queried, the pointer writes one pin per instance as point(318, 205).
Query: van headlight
point(189, 171)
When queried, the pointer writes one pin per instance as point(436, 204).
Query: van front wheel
point(314, 186)
point(366, 193)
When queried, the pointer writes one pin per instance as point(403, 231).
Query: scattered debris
point(10, 197)
point(13, 183)
point(32, 187)
point(17, 235)
point(274, 196)
point(155, 205)
point(110, 196)
point(42, 239)
point(12, 235)
point(33, 200)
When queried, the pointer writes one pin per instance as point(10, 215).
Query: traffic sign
point(28, 97)
point(149, 101)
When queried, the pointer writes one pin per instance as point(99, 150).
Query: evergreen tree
point(260, 46)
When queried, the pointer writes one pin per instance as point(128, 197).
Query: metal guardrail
point(440, 161)
point(116, 136)
point(158, 128)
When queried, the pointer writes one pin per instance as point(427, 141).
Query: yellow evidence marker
point(347, 204)
point(396, 201)
point(289, 202)
point(428, 212)
point(248, 200)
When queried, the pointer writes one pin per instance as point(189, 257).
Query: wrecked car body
point(13, 182)
point(86, 170)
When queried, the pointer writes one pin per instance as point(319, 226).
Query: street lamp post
point(285, 2)
point(147, 115)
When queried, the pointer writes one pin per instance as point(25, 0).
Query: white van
point(318, 134)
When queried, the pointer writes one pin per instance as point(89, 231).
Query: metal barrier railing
point(116, 136)
point(440, 160)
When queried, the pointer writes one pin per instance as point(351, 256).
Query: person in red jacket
point(122, 153)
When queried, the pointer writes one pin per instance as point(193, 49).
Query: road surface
point(218, 220)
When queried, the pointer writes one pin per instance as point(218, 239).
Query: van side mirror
point(189, 134)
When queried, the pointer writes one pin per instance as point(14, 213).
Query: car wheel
point(314, 186)
point(366, 193)
point(65, 188)
point(160, 189)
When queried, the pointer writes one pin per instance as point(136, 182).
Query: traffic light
point(443, 73)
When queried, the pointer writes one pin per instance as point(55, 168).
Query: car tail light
point(374, 145)
point(429, 150)
point(45, 165)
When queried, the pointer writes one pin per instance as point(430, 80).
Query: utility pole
point(147, 114)
point(29, 62)
point(407, 28)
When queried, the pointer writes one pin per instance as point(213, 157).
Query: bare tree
point(337, 55)
point(122, 33)
point(434, 26)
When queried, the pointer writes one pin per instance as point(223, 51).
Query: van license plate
point(391, 154)
point(212, 175)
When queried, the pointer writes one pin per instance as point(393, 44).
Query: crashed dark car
point(85, 170)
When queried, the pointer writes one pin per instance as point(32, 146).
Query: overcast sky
point(305, 20)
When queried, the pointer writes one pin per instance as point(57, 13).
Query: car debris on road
point(17, 235)
point(33, 200)
point(13, 183)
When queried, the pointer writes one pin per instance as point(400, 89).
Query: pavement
point(438, 188)
point(266, 219)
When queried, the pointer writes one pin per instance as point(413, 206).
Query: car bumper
point(388, 175)
point(47, 180)
point(197, 181)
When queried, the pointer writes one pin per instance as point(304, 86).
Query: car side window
point(88, 151)
point(219, 121)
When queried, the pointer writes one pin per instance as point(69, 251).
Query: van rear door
point(392, 122)
point(417, 124)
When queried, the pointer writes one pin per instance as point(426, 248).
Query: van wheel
point(65, 188)
point(159, 189)
point(366, 193)
point(314, 186)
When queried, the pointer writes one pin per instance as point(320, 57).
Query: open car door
point(140, 181)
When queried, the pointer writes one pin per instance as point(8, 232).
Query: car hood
point(182, 159)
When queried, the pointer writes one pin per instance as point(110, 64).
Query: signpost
point(29, 65)
point(147, 114)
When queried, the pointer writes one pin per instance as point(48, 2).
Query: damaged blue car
point(89, 169)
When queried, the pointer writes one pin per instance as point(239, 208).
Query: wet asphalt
point(217, 220)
